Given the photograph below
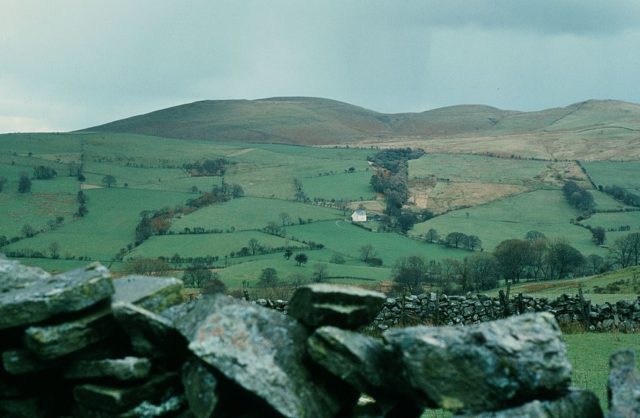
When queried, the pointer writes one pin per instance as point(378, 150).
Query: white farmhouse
point(359, 215)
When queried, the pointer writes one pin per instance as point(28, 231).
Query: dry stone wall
point(439, 309)
point(81, 344)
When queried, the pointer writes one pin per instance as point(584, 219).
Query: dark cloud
point(71, 63)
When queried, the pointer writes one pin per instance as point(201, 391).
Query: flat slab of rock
point(623, 385)
point(41, 297)
point(321, 304)
point(154, 294)
point(264, 352)
point(483, 367)
point(151, 335)
point(128, 368)
point(52, 341)
point(20, 361)
point(117, 399)
point(359, 360)
point(576, 404)
point(14, 275)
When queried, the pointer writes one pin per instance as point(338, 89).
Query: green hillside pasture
point(605, 202)
point(40, 144)
point(348, 186)
point(545, 211)
point(606, 173)
point(234, 276)
point(344, 238)
point(47, 200)
point(555, 288)
point(476, 168)
point(202, 245)
point(151, 150)
point(109, 225)
point(589, 355)
point(251, 213)
point(615, 220)
point(265, 172)
point(170, 179)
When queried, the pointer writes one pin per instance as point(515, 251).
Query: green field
point(345, 238)
point(235, 275)
point(108, 227)
point(477, 169)
point(252, 213)
point(202, 245)
point(604, 202)
point(149, 176)
point(544, 210)
point(609, 173)
point(615, 220)
point(589, 355)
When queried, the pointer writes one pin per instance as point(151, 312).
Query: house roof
point(360, 212)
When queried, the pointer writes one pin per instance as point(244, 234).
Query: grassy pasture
point(251, 213)
point(619, 173)
point(589, 355)
point(345, 238)
point(605, 202)
point(348, 186)
point(109, 225)
point(202, 245)
point(476, 168)
point(47, 200)
point(544, 210)
point(615, 220)
point(235, 275)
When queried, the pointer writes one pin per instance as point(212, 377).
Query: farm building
point(359, 215)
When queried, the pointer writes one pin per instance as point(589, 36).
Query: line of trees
point(515, 260)
point(622, 195)
point(215, 167)
point(391, 179)
point(578, 197)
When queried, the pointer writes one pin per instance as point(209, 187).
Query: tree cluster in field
point(625, 251)
point(159, 221)
point(622, 195)
point(391, 179)
point(478, 272)
point(42, 172)
point(454, 240)
point(578, 197)
point(299, 195)
point(514, 260)
point(218, 194)
point(215, 167)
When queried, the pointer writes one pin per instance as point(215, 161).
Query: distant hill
point(316, 121)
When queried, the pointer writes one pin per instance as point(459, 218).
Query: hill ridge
point(305, 120)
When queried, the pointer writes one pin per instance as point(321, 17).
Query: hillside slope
point(315, 121)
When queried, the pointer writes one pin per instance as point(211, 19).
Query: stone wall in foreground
point(81, 344)
point(439, 309)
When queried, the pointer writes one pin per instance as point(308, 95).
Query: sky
point(72, 64)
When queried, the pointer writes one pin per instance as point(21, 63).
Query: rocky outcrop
point(483, 367)
point(139, 352)
point(347, 307)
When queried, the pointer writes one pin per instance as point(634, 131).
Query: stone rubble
point(96, 347)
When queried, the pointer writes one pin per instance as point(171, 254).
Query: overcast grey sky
point(70, 64)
